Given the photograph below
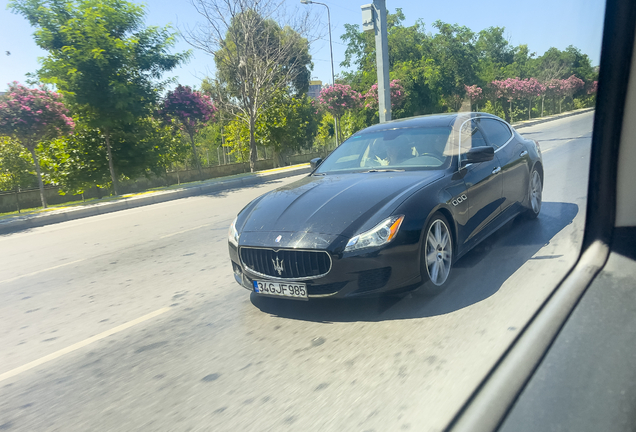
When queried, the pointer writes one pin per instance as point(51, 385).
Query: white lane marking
point(40, 271)
point(567, 142)
point(184, 231)
point(81, 344)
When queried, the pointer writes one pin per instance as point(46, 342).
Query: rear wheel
point(535, 188)
point(437, 253)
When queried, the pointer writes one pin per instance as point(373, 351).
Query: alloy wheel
point(439, 252)
point(535, 192)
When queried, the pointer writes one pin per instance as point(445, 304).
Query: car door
point(484, 185)
point(513, 156)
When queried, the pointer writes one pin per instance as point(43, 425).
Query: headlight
point(233, 235)
point(381, 234)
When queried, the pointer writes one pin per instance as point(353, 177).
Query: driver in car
point(397, 153)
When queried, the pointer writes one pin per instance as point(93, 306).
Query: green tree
point(214, 88)
point(405, 43)
point(16, 168)
point(237, 139)
point(103, 59)
point(325, 137)
point(581, 65)
point(78, 163)
point(208, 141)
point(288, 124)
point(522, 65)
point(255, 56)
point(352, 122)
point(494, 54)
point(149, 148)
point(455, 53)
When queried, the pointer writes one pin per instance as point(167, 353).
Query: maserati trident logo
point(278, 266)
point(278, 239)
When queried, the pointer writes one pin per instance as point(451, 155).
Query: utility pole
point(374, 21)
point(333, 76)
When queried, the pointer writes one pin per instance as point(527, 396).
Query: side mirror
point(315, 163)
point(477, 154)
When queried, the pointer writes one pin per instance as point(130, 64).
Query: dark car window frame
point(474, 126)
point(485, 120)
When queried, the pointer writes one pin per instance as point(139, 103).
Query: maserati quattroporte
point(392, 208)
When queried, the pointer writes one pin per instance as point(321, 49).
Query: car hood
point(331, 205)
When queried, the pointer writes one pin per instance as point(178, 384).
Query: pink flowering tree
point(530, 89)
point(555, 90)
point(592, 88)
point(398, 95)
point(31, 116)
point(474, 93)
point(508, 89)
point(189, 110)
point(572, 85)
point(338, 99)
point(548, 91)
point(518, 89)
point(558, 89)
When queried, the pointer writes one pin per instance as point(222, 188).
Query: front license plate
point(293, 290)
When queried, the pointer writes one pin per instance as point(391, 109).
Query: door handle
point(523, 153)
point(496, 170)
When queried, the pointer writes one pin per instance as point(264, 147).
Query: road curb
point(20, 223)
point(528, 123)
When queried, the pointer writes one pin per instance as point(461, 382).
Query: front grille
point(286, 263)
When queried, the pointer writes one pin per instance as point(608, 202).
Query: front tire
point(437, 254)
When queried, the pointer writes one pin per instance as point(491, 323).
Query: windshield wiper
point(384, 170)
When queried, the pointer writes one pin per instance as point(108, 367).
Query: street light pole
point(374, 21)
point(382, 61)
point(333, 79)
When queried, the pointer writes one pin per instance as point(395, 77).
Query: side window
point(497, 132)
point(478, 139)
point(471, 136)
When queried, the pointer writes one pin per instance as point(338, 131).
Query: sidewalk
point(54, 215)
point(537, 121)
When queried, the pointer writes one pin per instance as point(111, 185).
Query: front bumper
point(393, 267)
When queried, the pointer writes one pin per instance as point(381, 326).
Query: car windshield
point(392, 149)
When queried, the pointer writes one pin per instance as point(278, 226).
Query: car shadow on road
point(475, 277)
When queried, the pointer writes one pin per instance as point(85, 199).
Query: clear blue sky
point(540, 24)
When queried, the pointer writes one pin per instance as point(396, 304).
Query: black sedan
point(391, 209)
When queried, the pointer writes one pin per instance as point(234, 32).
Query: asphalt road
point(132, 321)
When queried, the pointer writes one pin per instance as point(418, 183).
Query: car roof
point(430, 120)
